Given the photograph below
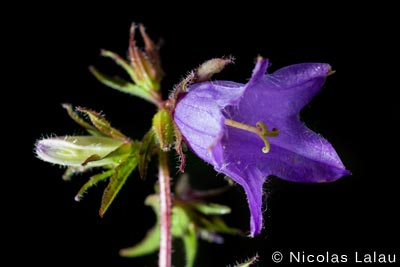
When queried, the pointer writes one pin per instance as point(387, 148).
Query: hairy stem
point(165, 211)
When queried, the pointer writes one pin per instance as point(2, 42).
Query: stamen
point(261, 130)
point(242, 126)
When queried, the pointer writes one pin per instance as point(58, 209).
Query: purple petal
point(200, 120)
point(283, 93)
point(306, 157)
point(259, 72)
point(252, 180)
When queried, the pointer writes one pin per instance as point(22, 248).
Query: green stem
point(165, 211)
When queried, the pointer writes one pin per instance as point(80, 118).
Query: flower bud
point(77, 150)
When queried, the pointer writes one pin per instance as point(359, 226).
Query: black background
point(355, 111)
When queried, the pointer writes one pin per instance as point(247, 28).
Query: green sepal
point(102, 125)
point(118, 179)
point(74, 115)
point(145, 152)
point(146, 64)
point(93, 181)
point(164, 129)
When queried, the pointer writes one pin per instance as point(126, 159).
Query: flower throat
point(260, 129)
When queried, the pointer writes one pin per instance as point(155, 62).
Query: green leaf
point(164, 129)
point(212, 208)
point(183, 228)
point(149, 244)
point(122, 85)
point(117, 180)
point(102, 125)
point(190, 244)
point(151, 241)
point(93, 181)
point(145, 152)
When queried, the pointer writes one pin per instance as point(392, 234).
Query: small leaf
point(163, 129)
point(102, 125)
point(212, 208)
point(117, 180)
point(145, 152)
point(190, 244)
point(93, 181)
point(149, 244)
